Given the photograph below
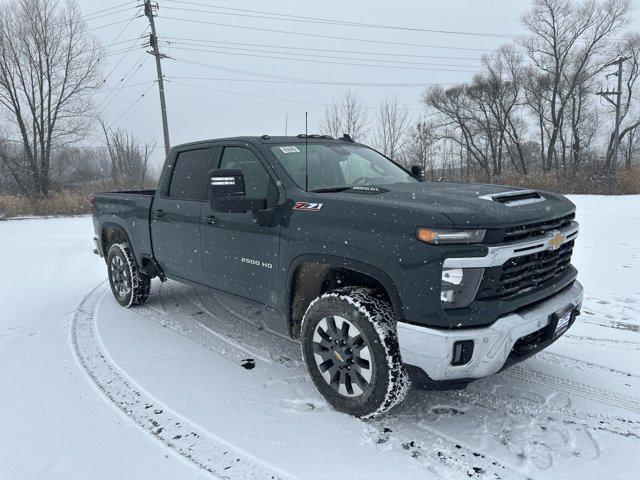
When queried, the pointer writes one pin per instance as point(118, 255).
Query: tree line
point(535, 108)
point(50, 72)
point(541, 107)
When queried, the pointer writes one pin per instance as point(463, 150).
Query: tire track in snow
point(434, 452)
point(612, 424)
point(519, 372)
point(554, 358)
point(572, 388)
point(190, 441)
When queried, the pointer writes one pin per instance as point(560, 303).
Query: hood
point(468, 205)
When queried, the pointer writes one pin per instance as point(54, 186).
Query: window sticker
point(289, 149)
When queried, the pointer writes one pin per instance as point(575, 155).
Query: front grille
point(520, 232)
point(523, 274)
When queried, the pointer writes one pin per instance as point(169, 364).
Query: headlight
point(459, 286)
point(440, 236)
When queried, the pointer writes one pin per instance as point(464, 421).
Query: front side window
point(190, 174)
point(257, 182)
point(338, 165)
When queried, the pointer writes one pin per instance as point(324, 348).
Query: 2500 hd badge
point(394, 281)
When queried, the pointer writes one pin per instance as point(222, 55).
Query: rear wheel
point(129, 286)
point(351, 351)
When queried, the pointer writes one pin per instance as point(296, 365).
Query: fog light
point(462, 352)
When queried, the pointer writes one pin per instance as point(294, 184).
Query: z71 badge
point(311, 207)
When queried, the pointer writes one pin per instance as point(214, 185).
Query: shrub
point(65, 202)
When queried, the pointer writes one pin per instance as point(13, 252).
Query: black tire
point(337, 360)
point(129, 286)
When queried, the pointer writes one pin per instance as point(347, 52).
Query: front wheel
point(129, 286)
point(350, 347)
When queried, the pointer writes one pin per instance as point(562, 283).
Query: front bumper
point(431, 350)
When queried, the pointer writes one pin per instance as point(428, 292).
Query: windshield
point(338, 166)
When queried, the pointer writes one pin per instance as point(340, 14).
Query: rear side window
point(190, 174)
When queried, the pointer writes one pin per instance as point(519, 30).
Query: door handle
point(211, 219)
point(159, 213)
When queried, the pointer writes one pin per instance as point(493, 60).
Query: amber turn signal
point(427, 235)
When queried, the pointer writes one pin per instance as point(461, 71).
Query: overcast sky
point(241, 89)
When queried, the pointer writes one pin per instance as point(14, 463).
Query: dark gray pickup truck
point(385, 279)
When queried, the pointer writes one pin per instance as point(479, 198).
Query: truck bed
point(129, 210)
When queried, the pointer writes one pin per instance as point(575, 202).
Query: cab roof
point(267, 139)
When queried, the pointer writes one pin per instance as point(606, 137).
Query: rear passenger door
point(176, 212)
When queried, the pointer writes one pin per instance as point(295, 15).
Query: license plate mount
point(562, 320)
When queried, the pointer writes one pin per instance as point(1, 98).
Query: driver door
point(240, 250)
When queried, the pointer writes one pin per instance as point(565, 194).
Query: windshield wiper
point(330, 189)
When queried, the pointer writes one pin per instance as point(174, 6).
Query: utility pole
point(149, 10)
point(607, 94)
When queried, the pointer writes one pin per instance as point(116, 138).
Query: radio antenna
point(306, 153)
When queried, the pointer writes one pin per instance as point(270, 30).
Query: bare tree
point(129, 160)
point(422, 138)
point(392, 128)
point(483, 117)
point(345, 115)
point(630, 147)
point(630, 110)
point(48, 71)
point(567, 43)
point(503, 96)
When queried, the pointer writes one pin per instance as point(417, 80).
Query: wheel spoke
point(336, 378)
point(357, 343)
point(362, 363)
point(359, 379)
point(331, 323)
point(347, 383)
point(323, 351)
point(344, 331)
point(325, 338)
point(326, 365)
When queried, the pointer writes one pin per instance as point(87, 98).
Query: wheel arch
point(310, 276)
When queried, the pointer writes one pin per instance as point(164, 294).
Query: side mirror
point(227, 193)
point(416, 171)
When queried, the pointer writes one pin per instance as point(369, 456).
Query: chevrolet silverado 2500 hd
point(382, 277)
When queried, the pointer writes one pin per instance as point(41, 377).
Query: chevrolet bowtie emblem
point(556, 241)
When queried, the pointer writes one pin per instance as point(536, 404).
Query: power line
point(88, 18)
point(261, 14)
point(312, 82)
point(265, 97)
point(122, 30)
point(316, 56)
point(126, 52)
point(132, 105)
point(289, 47)
point(108, 25)
point(106, 90)
point(106, 9)
point(332, 37)
point(310, 60)
point(273, 77)
point(128, 76)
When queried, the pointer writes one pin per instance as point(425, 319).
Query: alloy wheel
point(342, 356)
point(119, 277)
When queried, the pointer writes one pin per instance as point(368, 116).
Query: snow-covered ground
point(91, 390)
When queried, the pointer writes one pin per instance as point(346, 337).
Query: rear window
point(190, 174)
